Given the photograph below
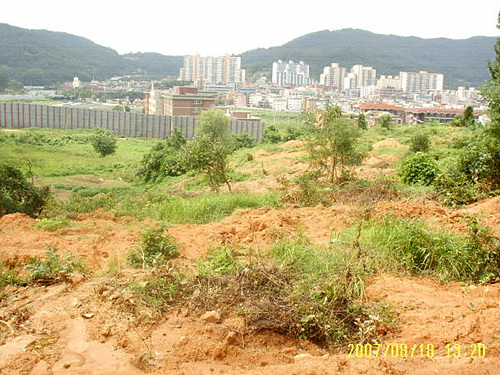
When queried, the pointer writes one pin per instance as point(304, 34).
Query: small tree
point(361, 121)
point(332, 143)
point(386, 121)
point(208, 153)
point(420, 143)
point(19, 195)
point(104, 142)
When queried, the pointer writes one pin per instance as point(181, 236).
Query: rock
point(301, 356)
point(88, 316)
point(211, 317)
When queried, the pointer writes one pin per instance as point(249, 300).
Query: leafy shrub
point(418, 169)
point(271, 135)
point(243, 140)
point(294, 132)
point(104, 141)
point(420, 143)
point(155, 249)
point(53, 268)
point(19, 195)
point(220, 260)
point(455, 189)
point(51, 225)
point(159, 289)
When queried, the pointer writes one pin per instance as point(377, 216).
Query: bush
point(104, 142)
point(19, 195)
point(409, 244)
point(271, 135)
point(418, 169)
point(420, 143)
point(163, 160)
point(243, 140)
point(455, 189)
point(54, 268)
point(155, 249)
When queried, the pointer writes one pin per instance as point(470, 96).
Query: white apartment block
point(333, 76)
point(290, 73)
point(385, 82)
point(217, 70)
point(421, 82)
point(365, 76)
point(359, 76)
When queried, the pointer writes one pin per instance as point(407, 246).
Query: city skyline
point(220, 27)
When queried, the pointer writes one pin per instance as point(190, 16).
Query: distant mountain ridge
point(41, 57)
point(463, 61)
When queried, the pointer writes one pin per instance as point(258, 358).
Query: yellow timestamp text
point(397, 350)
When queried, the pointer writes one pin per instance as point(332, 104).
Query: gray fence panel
point(17, 115)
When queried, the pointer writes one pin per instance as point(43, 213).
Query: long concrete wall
point(20, 115)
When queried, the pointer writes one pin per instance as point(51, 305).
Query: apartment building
point(333, 76)
point(421, 82)
point(290, 73)
point(216, 70)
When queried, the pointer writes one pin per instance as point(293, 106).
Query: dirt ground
point(93, 324)
point(89, 325)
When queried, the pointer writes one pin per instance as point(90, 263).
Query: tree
point(386, 121)
point(361, 121)
point(208, 153)
point(466, 118)
point(332, 143)
point(104, 142)
point(164, 159)
point(19, 195)
point(420, 143)
point(469, 119)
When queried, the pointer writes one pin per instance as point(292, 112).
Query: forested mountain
point(40, 57)
point(464, 61)
point(37, 57)
point(155, 63)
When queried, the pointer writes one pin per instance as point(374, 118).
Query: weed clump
point(53, 268)
point(155, 249)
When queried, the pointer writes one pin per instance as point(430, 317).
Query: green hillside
point(38, 57)
point(464, 62)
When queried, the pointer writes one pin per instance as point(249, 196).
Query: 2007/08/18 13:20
point(415, 351)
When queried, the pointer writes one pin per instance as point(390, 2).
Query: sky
point(219, 27)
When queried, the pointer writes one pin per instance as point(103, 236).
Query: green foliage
point(154, 250)
point(19, 195)
point(159, 289)
point(243, 140)
point(163, 160)
point(361, 122)
point(221, 260)
point(420, 143)
point(455, 189)
point(332, 144)
point(10, 277)
point(418, 169)
point(294, 132)
point(51, 225)
point(208, 153)
point(214, 125)
point(104, 141)
point(409, 244)
point(53, 268)
point(385, 121)
point(271, 134)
